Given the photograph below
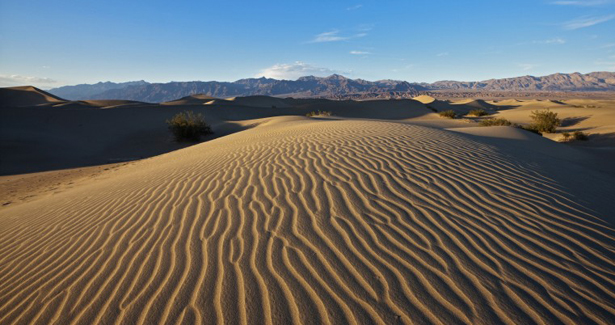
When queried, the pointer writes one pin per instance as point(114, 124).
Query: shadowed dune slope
point(77, 133)
point(259, 101)
point(313, 221)
point(198, 99)
point(26, 96)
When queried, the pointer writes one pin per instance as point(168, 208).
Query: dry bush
point(478, 112)
point(188, 126)
point(576, 135)
point(495, 122)
point(545, 121)
point(319, 113)
point(448, 114)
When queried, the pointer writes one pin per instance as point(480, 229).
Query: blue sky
point(54, 43)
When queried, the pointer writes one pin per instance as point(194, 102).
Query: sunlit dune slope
point(316, 221)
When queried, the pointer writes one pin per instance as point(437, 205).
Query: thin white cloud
point(360, 53)
point(442, 54)
point(296, 70)
point(365, 27)
point(334, 36)
point(586, 21)
point(587, 3)
point(355, 7)
point(552, 41)
point(608, 64)
point(527, 66)
point(19, 80)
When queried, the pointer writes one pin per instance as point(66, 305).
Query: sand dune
point(26, 96)
point(303, 220)
point(259, 101)
point(198, 99)
point(86, 133)
point(594, 117)
point(461, 107)
point(476, 104)
point(425, 99)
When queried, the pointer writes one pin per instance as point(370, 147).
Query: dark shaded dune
point(80, 133)
point(26, 96)
point(198, 99)
point(259, 101)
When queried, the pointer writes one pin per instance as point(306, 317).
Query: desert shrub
point(578, 135)
point(188, 126)
point(318, 113)
point(448, 114)
point(478, 112)
point(495, 122)
point(545, 121)
point(532, 128)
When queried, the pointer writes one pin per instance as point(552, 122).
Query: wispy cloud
point(360, 53)
point(551, 41)
point(586, 21)
point(355, 7)
point(527, 66)
point(19, 80)
point(587, 3)
point(442, 54)
point(335, 36)
point(608, 64)
point(295, 70)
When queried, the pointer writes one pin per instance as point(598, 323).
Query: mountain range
point(334, 86)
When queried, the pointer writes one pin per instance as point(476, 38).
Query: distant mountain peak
point(336, 76)
point(333, 86)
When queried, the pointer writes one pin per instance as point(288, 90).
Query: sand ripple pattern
point(312, 222)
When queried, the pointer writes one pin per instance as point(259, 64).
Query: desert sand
point(383, 213)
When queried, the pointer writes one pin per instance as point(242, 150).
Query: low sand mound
point(307, 221)
point(259, 101)
point(510, 103)
point(26, 96)
point(439, 105)
point(425, 99)
point(198, 99)
point(112, 103)
point(84, 104)
point(476, 104)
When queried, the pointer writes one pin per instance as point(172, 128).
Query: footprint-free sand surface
point(314, 221)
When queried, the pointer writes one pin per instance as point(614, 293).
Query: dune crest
point(311, 221)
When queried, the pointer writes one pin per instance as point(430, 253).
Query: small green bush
point(545, 121)
point(478, 112)
point(495, 122)
point(319, 113)
point(188, 126)
point(448, 114)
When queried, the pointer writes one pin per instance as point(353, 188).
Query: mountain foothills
point(86, 91)
point(334, 86)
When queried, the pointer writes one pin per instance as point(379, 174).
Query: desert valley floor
point(382, 213)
